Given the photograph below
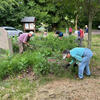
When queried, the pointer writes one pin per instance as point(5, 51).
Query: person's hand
point(75, 65)
point(26, 43)
point(30, 46)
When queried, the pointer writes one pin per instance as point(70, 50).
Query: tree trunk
point(76, 20)
point(90, 31)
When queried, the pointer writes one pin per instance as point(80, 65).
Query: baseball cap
point(64, 56)
point(65, 52)
point(31, 32)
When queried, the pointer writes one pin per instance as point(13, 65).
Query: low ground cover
point(38, 57)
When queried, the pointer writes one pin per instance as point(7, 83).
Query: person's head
point(86, 26)
point(30, 33)
point(45, 33)
point(66, 54)
point(57, 32)
point(78, 28)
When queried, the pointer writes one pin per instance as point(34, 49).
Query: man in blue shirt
point(86, 29)
point(60, 34)
point(82, 57)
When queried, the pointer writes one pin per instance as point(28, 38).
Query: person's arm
point(72, 61)
point(26, 43)
point(78, 58)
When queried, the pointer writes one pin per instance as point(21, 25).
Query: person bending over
point(82, 56)
point(23, 40)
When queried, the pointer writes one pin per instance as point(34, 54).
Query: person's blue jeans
point(84, 65)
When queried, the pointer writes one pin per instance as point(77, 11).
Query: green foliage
point(53, 12)
point(46, 11)
point(37, 58)
point(15, 44)
point(7, 8)
point(2, 51)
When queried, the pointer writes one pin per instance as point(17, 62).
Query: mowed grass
point(96, 49)
point(95, 61)
point(24, 89)
point(17, 89)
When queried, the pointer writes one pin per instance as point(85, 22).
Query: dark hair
point(57, 32)
point(28, 38)
point(66, 51)
point(78, 28)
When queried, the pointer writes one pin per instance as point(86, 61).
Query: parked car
point(12, 31)
point(99, 27)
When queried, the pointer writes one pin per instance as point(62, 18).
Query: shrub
point(15, 44)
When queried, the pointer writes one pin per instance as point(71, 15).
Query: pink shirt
point(70, 29)
point(23, 37)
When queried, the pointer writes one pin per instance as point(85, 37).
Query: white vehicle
point(12, 31)
point(98, 26)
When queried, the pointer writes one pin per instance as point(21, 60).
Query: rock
point(6, 97)
point(52, 96)
point(2, 88)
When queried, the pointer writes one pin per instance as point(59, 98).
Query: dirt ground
point(75, 89)
point(87, 89)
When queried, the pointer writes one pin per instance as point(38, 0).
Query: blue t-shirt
point(78, 33)
point(60, 34)
point(77, 54)
point(86, 30)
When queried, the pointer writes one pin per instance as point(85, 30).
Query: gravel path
point(95, 31)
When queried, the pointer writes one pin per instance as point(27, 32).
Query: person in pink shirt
point(23, 40)
point(70, 30)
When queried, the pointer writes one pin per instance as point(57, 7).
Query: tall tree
point(91, 8)
point(46, 11)
point(6, 9)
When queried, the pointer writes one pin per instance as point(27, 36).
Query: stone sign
point(5, 41)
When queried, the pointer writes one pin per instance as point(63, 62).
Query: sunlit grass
point(17, 88)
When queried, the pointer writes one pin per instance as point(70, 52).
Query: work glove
point(67, 65)
point(75, 65)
